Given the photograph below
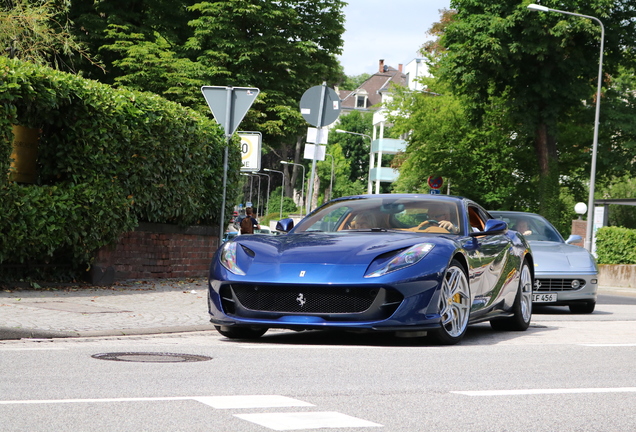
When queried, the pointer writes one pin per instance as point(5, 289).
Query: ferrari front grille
point(558, 284)
point(307, 299)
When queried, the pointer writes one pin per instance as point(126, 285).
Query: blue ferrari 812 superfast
point(404, 263)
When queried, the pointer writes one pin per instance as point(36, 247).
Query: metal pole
point(331, 178)
point(258, 195)
point(268, 180)
point(590, 202)
point(251, 182)
point(228, 138)
point(321, 109)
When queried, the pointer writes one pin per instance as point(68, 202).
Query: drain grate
point(150, 357)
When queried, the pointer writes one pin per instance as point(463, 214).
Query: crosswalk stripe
point(305, 420)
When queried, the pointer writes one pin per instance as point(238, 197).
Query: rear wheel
point(241, 332)
point(522, 307)
point(454, 305)
point(582, 308)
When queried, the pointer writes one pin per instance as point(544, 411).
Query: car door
point(488, 261)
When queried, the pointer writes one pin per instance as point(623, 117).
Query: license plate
point(544, 298)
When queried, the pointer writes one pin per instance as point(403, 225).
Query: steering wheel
point(427, 223)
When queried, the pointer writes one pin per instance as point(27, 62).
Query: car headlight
point(406, 258)
point(228, 258)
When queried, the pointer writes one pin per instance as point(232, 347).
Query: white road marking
point(275, 421)
point(305, 420)
point(218, 402)
point(611, 345)
point(545, 391)
point(57, 401)
point(257, 401)
point(32, 349)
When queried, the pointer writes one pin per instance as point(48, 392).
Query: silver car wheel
point(454, 302)
point(526, 293)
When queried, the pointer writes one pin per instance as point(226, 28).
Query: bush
point(107, 159)
point(71, 219)
point(615, 245)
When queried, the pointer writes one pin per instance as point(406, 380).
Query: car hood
point(322, 248)
point(561, 257)
point(325, 257)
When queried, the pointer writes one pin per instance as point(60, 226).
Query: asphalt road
point(566, 373)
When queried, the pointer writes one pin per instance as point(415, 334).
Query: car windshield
point(382, 214)
point(533, 227)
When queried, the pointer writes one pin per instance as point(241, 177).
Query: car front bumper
point(568, 287)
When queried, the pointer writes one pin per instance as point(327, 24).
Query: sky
point(381, 29)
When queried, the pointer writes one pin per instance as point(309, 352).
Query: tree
point(173, 48)
point(355, 148)
point(538, 66)
point(39, 32)
point(485, 164)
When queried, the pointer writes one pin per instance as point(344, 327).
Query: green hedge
point(107, 159)
point(616, 245)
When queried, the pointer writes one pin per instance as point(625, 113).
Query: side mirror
point(285, 225)
point(574, 239)
point(493, 226)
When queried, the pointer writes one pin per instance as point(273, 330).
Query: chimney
point(381, 68)
point(400, 66)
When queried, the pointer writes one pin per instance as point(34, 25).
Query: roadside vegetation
point(509, 113)
point(126, 136)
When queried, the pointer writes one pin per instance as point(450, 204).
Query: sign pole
point(321, 108)
point(228, 139)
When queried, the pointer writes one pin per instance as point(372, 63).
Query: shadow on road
point(478, 334)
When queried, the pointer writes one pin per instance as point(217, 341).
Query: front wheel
point(454, 305)
point(241, 332)
point(522, 308)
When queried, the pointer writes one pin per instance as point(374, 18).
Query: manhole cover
point(149, 357)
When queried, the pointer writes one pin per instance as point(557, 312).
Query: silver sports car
point(565, 274)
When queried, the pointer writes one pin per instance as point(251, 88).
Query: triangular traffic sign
point(229, 104)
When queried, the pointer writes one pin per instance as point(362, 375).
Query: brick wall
point(579, 227)
point(156, 251)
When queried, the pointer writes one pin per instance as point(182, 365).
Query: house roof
point(374, 86)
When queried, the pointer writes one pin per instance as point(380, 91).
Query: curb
point(9, 333)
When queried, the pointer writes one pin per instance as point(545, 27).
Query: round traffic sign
point(311, 101)
point(435, 182)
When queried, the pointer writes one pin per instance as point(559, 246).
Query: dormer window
point(361, 98)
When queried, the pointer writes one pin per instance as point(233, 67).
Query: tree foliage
point(172, 48)
point(538, 68)
point(40, 32)
point(485, 164)
point(355, 148)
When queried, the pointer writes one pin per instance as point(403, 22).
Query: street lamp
point(331, 178)
point(302, 192)
point(369, 185)
point(590, 201)
point(258, 194)
point(282, 190)
point(258, 199)
point(268, 180)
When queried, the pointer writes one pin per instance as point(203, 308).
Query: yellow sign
point(250, 151)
